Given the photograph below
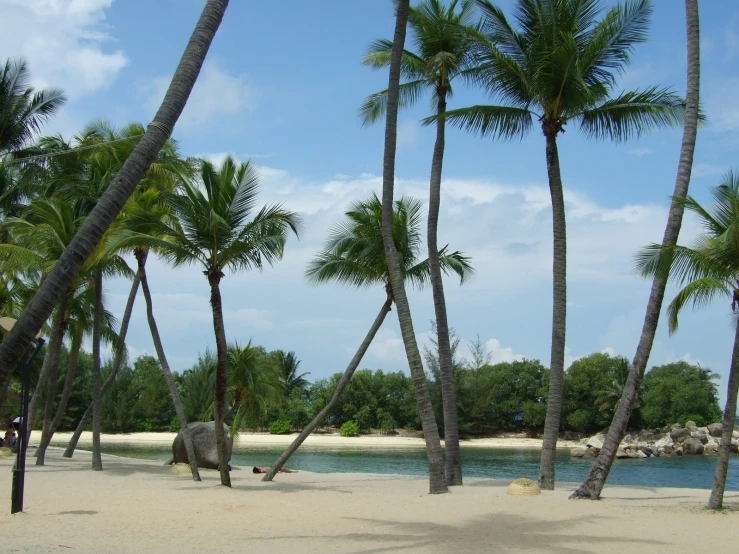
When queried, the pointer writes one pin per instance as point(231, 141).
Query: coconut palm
point(47, 297)
point(610, 397)
point(443, 43)
point(596, 479)
point(354, 256)
point(708, 270)
point(560, 68)
point(252, 385)
point(78, 323)
point(288, 366)
point(113, 148)
point(437, 483)
point(210, 226)
point(23, 110)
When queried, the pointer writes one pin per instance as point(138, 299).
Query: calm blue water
point(687, 471)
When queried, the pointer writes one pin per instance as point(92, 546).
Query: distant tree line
point(267, 392)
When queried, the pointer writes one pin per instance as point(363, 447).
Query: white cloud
point(66, 43)
point(217, 96)
point(708, 170)
point(671, 358)
point(640, 152)
point(499, 353)
point(387, 347)
point(609, 350)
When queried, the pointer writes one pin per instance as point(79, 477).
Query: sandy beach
point(264, 439)
point(137, 506)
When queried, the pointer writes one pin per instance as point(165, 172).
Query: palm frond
point(497, 122)
point(699, 293)
point(632, 114)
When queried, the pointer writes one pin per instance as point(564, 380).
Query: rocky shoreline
point(674, 440)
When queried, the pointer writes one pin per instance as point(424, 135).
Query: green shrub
point(174, 425)
point(280, 427)
point(349, 429)
point(698, 419)
point(385, 421)
point(363, 418)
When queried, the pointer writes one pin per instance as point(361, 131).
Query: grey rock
point(204, 441)
point(578, 451)
point(715, 429)
point(679, 434)
point(701, 436)
point(691, 425)
point(596, 441)
point(692, 446)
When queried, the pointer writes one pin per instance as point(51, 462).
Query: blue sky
point(281, 86)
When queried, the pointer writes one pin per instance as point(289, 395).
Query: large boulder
point(692, 446)
point(578, 451)
point(596, 441)
point(691, 425)
point(700, 435)
point(715, 429)
point(678, 434)
point(664, 442)
point(204, 441)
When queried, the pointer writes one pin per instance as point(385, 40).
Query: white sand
point(263, 439)
point(137, 506)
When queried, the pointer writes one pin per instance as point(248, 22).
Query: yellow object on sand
point(180, 469)
point(5, 452)
point(523, 487)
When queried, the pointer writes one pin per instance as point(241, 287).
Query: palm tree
point(120, 355)
point(37, 241)
point(113, 146)
point(78, 322)
point(610, 397)
point(596, 479)
point(708, 270)
point(253, 385)
point(444, 51)
point(288, 364)
point(437, 483)
point(355, 256)
point(561, 67)
point(46, 298)
point(210, 226)
point(23, 110)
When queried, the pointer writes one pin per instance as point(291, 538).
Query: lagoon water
point(684, 472)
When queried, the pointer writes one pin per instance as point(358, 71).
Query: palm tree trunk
point(97, 393)
point(559, 318)
point(107, 208)
point(51, 389)
point(117, 363)
point(593, 485)
point(343, 382)
point(48, 433)
point(716, 501)
point(453, 458)
point(141, 260)
point(51, 361)
point(423, 399)
point(221, 375)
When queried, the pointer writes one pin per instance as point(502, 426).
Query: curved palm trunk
point(51, 389)
point(49, 431)
point(97, 393)
point(593, 485)
point(423, 399)
point(141, 260)
point(117, 363)
point(343, 382)
point(453, 458)
point(716, 501)
point(221, 376)
point(111, 202)
point(559, 318)
point(50, 367)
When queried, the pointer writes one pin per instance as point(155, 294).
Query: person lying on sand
point(258, 469)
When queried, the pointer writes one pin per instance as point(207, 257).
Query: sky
point(281, 87)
